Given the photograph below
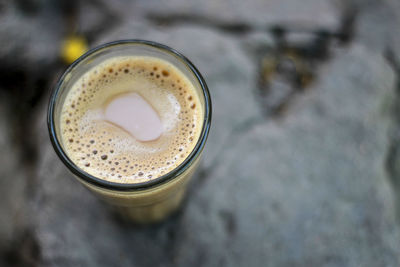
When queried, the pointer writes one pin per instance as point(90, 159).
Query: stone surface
point(309, 190)
point(29, 42)
point(13, 184)
point(257, 13)
point(315, 185)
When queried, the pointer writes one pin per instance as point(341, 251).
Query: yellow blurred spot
point(73, 48)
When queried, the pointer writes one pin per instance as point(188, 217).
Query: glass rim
point(194, 154)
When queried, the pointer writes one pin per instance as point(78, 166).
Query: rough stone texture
point(9, 205)
point(309, 190)
point(13, 184)
point(315, 186)
point(256, 13)
point(30, 36)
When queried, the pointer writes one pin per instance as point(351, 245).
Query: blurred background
point(302, 164)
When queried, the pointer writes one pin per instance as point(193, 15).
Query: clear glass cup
point(155, 199)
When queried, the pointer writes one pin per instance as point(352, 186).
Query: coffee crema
point(103, 147)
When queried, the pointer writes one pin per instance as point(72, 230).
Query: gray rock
point(13, 185)
point(309, 188)
point(375, 23)
point(376, 27)
point(31, 40)
point(257, 13)
point(307, 191)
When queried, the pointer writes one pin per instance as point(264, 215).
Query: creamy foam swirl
point(110, 152)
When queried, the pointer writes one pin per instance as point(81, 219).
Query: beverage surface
point(131, 119)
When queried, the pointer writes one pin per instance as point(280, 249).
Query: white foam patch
point(171, 117)
point(134, 114)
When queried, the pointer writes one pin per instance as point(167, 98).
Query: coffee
point(131, 119)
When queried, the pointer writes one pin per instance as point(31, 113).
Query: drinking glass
point(144, 202)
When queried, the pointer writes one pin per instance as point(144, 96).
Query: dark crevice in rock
point(289, 68)
point(392, 161)
point(25, 251)
point(24, 92)
point(170, 20)
point(344, 33)
point(229, 221)
point(28, 7)
point(347, 26)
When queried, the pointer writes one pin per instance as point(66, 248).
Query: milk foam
point(132, 113)
point(112, 152)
